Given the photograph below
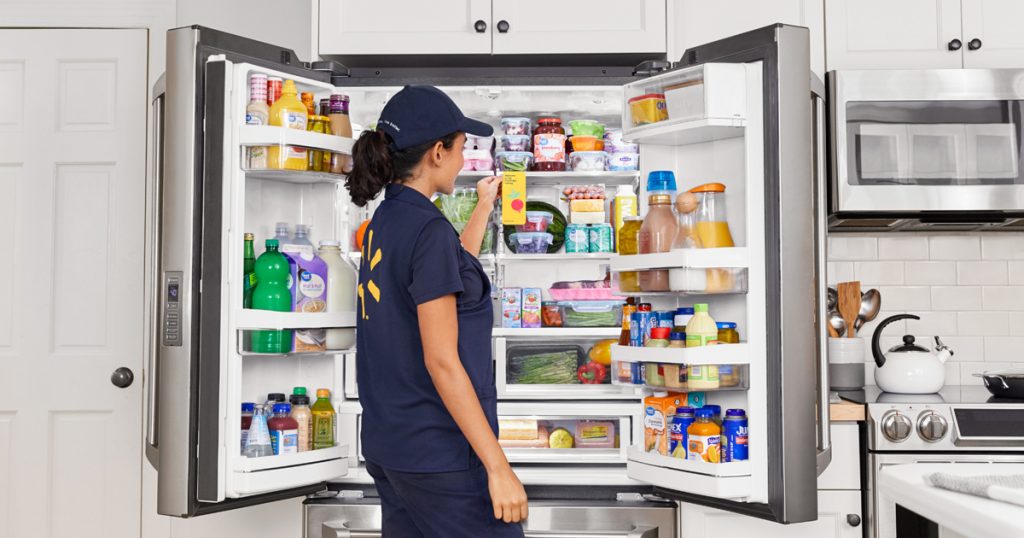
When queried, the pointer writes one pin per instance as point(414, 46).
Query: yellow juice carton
point(513, 198)
point(658, 412)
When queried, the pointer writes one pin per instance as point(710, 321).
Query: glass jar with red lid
point(549, 145)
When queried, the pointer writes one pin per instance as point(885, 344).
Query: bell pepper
point(592, 373)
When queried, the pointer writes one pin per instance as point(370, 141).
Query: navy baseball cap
point(420, 114)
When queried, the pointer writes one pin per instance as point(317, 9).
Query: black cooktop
point(951, 394)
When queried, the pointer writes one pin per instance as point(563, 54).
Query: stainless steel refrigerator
point(745, 118)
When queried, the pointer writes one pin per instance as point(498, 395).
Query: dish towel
point(1006, 488)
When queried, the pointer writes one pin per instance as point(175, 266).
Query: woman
point(423, 356)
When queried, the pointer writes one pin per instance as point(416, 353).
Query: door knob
point(480, 26)
point(974, 44)
point(853, 520)
point(503, 27)
point(122, 377)
point(955, 44)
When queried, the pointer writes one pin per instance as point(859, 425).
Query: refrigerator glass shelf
point(248, 318)
point(560, 178)
point(730, 469)
point(295, 176)
point(690, 258)
point(269, 135)
point(684, 133)
point(557, 257)
point(564, 455)
point(600, 332)
point(294, 354)
point(741, 386)
point(723, 354)
point(248, 465)
point(678, 293)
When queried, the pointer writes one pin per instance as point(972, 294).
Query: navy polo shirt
point(412, 255)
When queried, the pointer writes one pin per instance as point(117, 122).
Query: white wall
point(967, 288)
point(286, 23)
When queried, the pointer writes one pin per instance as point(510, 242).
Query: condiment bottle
point(702, 331)
point(727, 333)
point(341, 294)
point(682, 316)
point(304, 418)
point(626, 240)
point(340, 125)
point(288, 112)
point(658, 232)
point(257, 112)
point(549, 145)
point(627, 312)
point(317, 124)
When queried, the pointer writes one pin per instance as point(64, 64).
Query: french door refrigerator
point(747, 124)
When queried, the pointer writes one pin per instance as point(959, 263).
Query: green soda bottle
point(248, 271)
point(271, 293)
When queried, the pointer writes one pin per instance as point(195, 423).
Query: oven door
point(886, 519)
point(927, 141)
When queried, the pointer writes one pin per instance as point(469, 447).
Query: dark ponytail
point(375, 163)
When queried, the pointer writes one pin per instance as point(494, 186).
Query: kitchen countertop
point(846, 411)
point(966, 514)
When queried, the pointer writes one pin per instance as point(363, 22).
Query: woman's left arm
point(472, 237)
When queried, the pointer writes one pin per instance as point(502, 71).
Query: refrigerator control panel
point(172, 308)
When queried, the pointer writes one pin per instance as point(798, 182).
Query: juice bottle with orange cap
point(704, 438)
point(713, 230)
point(288, 111)
point(324, 420)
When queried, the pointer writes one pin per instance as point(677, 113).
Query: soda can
point(735, 445)
point(638, 322)
point(577, 239)
point(677, 437)
point(601, 238)
point(666, 319)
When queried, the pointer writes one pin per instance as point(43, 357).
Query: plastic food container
point(587, 128)
point(588, 161)
point(515, 126)
point(532, 242)
point(536, 221)
point(514, 161)
point(649, 108)
point(479, 142)
point(613, 136)
point(587, 143)
point(477, 159)
point(595, 434)
point(613, 146)
point(624, 162)
point(726, 280)
point(685, 101)
point(514, 143)
point(591, 313)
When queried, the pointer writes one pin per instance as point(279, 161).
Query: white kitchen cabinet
point(594, 26)
point(991, 33)
point(696, 22)
point(351, 27)
point(882, 34)
point(839, 516)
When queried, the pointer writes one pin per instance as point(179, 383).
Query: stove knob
point(896, 427)
point(931, 426)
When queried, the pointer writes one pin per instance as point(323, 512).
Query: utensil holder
point(846, 363)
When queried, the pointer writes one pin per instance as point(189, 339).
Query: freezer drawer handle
point(339, 529)
point(637, 532)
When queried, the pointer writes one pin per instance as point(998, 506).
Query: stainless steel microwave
point(926, 150)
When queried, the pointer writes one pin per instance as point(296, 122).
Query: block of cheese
point(587, 218)
point(540, 442)
point(517, 429)
point(586, 206)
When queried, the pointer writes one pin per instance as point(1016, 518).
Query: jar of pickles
point(727, 333)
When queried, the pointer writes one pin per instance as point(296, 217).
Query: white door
point(992, 36)
point(72, 180)
point(839, 516)
point(596, 26)
point(696, 22)
point(882, 34)
point(349, 27)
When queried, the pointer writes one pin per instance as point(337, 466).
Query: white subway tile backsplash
point(1017, 323)
point(930, 273)
point(954, 247)
point(981, 273)
point(1004, 298)
point(903, 247)
point(956, 298)
point(898, 327)
point(839, 272)
point(1016, 271)
point(878, 273)
point(906, 297)
point(982, 323)
point(1004, 348)
point(953, 373)
point(965, 348)
point(852, 248)
point(968, 369)
point(940, 323)
point(1009, 246)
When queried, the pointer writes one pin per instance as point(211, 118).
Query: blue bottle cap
point(282, 409)
point(248, 407)
point(684, 310)
point(726, 325)
point(684, 410)
point(714, 409)
point(677, 336)
point(735, 413)
point(661, 180)
point(704, 412)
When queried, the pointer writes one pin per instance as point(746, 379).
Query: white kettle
point(909, 368)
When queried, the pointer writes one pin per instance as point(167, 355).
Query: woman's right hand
point(507, 495)
point(488, 190)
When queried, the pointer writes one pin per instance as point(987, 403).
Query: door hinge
point(351, 494)
point(629, 497)
point(651, 67)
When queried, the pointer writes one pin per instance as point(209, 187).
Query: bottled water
point(257, 444)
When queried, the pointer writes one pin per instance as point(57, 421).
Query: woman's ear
point(437, 153)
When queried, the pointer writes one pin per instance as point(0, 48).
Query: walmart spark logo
point(370, 285)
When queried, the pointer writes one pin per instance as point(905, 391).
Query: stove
point(960, 424)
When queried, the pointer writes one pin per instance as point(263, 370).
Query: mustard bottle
point(288, 111)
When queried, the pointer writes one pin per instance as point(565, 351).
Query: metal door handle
point(974, 44)
point(480, 26)
point(339, 529)
point(122, 377)
point(824, 457)
point(955, 45)
point(853, 520)
point(154, 186)
point(503, 27)
point(637, 532)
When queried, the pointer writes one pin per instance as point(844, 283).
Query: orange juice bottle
point(288, 111)
point(713, 230)
point(704, 439)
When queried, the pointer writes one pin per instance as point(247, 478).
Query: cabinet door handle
point(503, 27)
point(974, 44)
point(480, 26)
point(853, 520)
point(955, 44)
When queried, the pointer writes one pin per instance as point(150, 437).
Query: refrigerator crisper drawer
point(547, 369)
point(361, 518)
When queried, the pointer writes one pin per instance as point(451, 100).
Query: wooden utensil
point(832, 331)
point(849, 305)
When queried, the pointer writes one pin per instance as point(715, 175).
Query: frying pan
point(1004, 383)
